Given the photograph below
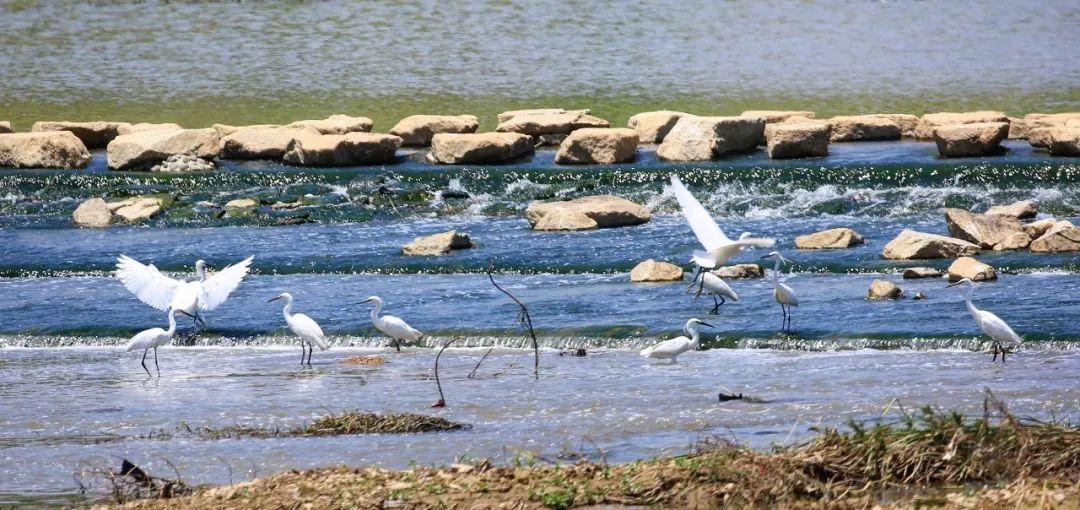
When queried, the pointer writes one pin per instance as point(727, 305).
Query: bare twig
point(484, 357)
point(524, 318)
point(442, 398)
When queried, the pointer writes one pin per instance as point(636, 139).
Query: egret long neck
point(200, 273)
point(172, 324)
point(776, 271)
point(375, 311)
point(971, 306)
point(287, 311)
point(693, 336)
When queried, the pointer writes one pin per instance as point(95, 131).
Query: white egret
point(671, 349)
point(1005, 339)
point(783, 294)
point(718, 247)
point(304, 327)
point(391, 326)
point(716, 286)
point(162, 292)
point(152, 339)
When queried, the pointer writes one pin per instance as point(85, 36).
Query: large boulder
point(94, 135)
point(352, 149)
point(144, 149)
point(550, 123)
point(1036, 229)
point(798, 140)
point(975, 139)
point(1065, 141)
point(859, 128)
point(703, 138)
point(832, 238)
point(224, 130)
point(910, 245)
point(55, 149)
point(773, 116)
point(126, 129)
point(906, 121)
point(967, 267)
point(989, 231)
point(262, 143)
point(136, 209)
point(1061, 237)
point(507, 115)
point(336, 124)
point(738, 271)
point(437, 244)
point(605, 211)
point(5, 127)
point(464, 148)
point(881, 289)
point(598, 145)
point(652, 127)
point(931, 121)
point(417, 130)
point(653, 271)
point(1021, 210)
point(1020, 129)
point(1040, 138)
point(93, 213)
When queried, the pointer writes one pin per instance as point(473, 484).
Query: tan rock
point(417, 130)
point(480, 148)
point(566, 220)
point(703, 138)
point(5, 127)
point(931, 121)
point(1021, 210)
point(652, 127)
point(967, 267)
point(653, 271)
point(1040, 137)
point(551, 123)
point(1061, 237)
point(144, 149)
point(829, 239)
point(598, 146)
point(973, 139)
point(911, 245)
point(1033, 121)
point(94, 135)
point(126, 129)
point(772, 116)
point(55, 149)
point(1065, 141)
point(906, 121)
point(241, 203)
point(224, 130)
point(914, 273)
point(605, 210)
point(1036, 229)
point(798, 140)
point(1013, 241)
point(437, 244)
point(881, 289)
point(986, 230)
point(336, 124)
point(262, 143)
point(738, 271)
point(1018, 129)
point(505, 116)
point(136, 209)
point(352, 149)
point(858, 128)
point(92, 213)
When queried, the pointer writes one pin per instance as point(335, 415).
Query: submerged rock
point(989, 231)
point(144, 149)
point(653, 271)
point(1021, 210)
point(417, 130)
point(94, 135)
point(798, 140)
point(703, 138)
point(738, 271)
point(551, 123)
point(977, 139)
point(598, 146)
point(829, 239)
point(241, 203)
point(93, 213)
point(335, 124)
point(352, 149)
point(54, 149)
point(180, 163)
point(437, 244)
point(967, 267)
point(915, 273)
point(1061, 237)
point(881, 289)
point(601, 211)
point(932, 121)
point(136, 209)
point(911, 244)
point(652, 127)
point(863, 128)
point(462, 148)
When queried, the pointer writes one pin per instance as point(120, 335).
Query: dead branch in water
point(442, 398)
point(525, 320)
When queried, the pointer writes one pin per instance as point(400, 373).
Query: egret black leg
point(310, 349)
point(302, 353)
point(717, 303)
point(397, 345)
point(156, 363)
point(144, 363)
point(783, 318)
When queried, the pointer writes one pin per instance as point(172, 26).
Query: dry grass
point(330, 425)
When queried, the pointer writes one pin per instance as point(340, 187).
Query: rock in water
point(798, 140)
point(352, 149)
point(480, 148)
point(914, 273)
point(598, 146)
point(505, 116)
point(1036, 229)
point(911, 244)
point(1021, 210)
point(54, 149)
point(5, 127)
point(180, 163)
point(965, 140)
point(136, 209)
point(335, 125)
point(143, 149)
point(989, 231)
point(602, 211)
point(437, 244)
point(881, 289)
point(931, 121)
point(967, 267)
point(737, 271)
point(417, 130)
point(652, 127)
point(905, 121)
point(94, 135)
point(703, 138)
point(775, 116)
point(552, 123)
point(262, 143)
point(863, 128)
point(1065, 141)
point(93, 213)
point(829, 239)
point(1061, 237)
point(653, 271)
point(125, 128)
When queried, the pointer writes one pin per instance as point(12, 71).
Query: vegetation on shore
point(353, 422)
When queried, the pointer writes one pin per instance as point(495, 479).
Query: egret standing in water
point(718, 247)
point(391, 326)
point(783, 294)
point(716, 286)
point(153, 338)
point(162, 292)
point(1005, 339)
point(304, 327)
point(671, 349)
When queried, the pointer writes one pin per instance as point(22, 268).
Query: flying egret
point(991, 324)
point(716, 286)
point(304, 327)
point(718, 247)
point(391, 326)
point(782, 292)
point(153, 338)
point(162, 292)
point(671, 349)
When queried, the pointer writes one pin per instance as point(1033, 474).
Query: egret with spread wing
point(161, 292)
point(671, 349)
point(1005, 339)
point(718, 247)
point(152, 339)
point(391, 326)
point(783, 294)
point(307, 329)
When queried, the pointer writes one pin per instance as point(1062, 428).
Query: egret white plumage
point(717, 287)
point(1005, 339)
point(783, 294)
point(161, 292)
point(718, 247)
point(393, 327)
point(304, 327)
point(152, 339)
point(671, 349)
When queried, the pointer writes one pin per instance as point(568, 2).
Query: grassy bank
point(928, 459)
